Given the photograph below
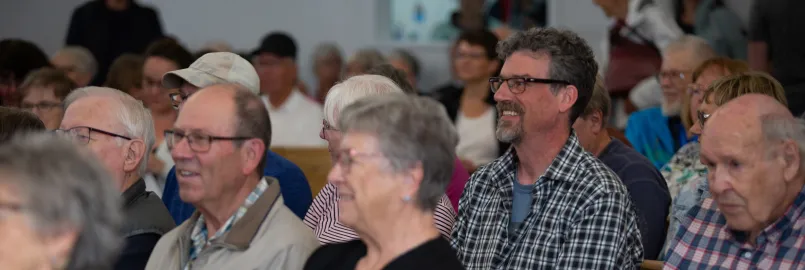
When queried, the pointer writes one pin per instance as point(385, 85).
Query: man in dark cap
point(295, 118)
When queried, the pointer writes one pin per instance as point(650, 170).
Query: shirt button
point(748, 255)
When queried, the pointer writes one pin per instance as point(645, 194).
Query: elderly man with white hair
point(323, 214)
point(77, 62)
point(120, 131)
point(754, 150)
point(658, 132)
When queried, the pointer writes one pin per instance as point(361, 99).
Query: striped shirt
point(322, 217)
point(703, 241)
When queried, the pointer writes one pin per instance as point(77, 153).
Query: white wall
point(353, 24)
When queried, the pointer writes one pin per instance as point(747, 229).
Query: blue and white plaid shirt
point(703, 241)
point(581, 217)
point(199, 233)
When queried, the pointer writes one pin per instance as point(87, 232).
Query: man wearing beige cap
point(222, 68)
point(209, 69)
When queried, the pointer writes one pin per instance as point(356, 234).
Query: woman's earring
point(407, 198)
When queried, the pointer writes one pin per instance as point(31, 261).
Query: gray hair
point(777, 128)
point(368, 58)
point(571, 59)
point(408, 58)
point(131, 114)
point(72, 191)
point(252, 119)
point(700, 49)
point(325, 50)
point(410, 131)
point(83, 58)
point(347, 92)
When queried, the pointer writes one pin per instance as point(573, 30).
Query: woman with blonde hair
point(684, 164)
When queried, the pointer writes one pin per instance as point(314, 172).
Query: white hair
point(778, 128)
point(83, 58)
point(700, 49)
point(345, 93)
point(131, 114)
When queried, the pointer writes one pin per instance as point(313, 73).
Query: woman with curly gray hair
point(64, 215)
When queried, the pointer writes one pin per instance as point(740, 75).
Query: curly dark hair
point(572, 60)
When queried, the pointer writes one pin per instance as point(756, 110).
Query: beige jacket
point(268, 236)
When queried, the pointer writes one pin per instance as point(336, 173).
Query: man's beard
point(508, 131)
point(671, 109)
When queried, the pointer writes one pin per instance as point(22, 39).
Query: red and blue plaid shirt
point(705, 242)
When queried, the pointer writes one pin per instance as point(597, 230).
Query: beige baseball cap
point(215, 68)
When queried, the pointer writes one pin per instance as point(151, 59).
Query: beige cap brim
point(176, 78)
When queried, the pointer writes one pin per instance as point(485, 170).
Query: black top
point(146, 221)
point(108, 33)
point(647, 189)
point(434, 254)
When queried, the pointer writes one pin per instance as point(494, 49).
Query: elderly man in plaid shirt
point(753, 148)
point(546, 203)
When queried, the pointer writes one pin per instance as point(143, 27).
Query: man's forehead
point(210, 108)
point(678, 60)
point(526, 64)
point(95, 111)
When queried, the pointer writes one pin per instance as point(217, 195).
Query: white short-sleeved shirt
point(296, 123)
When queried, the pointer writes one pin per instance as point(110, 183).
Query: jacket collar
point(243, 231)
point(134, 191)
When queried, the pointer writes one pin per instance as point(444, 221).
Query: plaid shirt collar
point(199, 233)
point(705, 234)
point(562, 168)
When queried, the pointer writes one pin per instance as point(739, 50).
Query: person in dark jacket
point(119, 130)
point(110, 28)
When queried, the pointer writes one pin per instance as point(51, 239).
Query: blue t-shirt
point(294, 188)
point(647, 189)
point(521, 204)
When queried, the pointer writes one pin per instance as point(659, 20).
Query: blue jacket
point(648, 132)
point(294, 188)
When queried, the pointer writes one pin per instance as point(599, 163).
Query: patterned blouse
point(684, 166)
point(322, 217)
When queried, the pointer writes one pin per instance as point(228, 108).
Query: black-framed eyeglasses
point(518, 84)
point(83, 134)
point(702, 117)
point(177, 99)
point(198, 142)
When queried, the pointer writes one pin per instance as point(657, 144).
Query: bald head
point(750, 108)
point(753, 148)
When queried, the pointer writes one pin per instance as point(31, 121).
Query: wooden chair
point(314, 162)
point(651, 265)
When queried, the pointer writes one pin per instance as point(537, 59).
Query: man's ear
point(567, 97)
point(252, 152)
point(792, 161)
point(134, 155)
point(597, 119)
